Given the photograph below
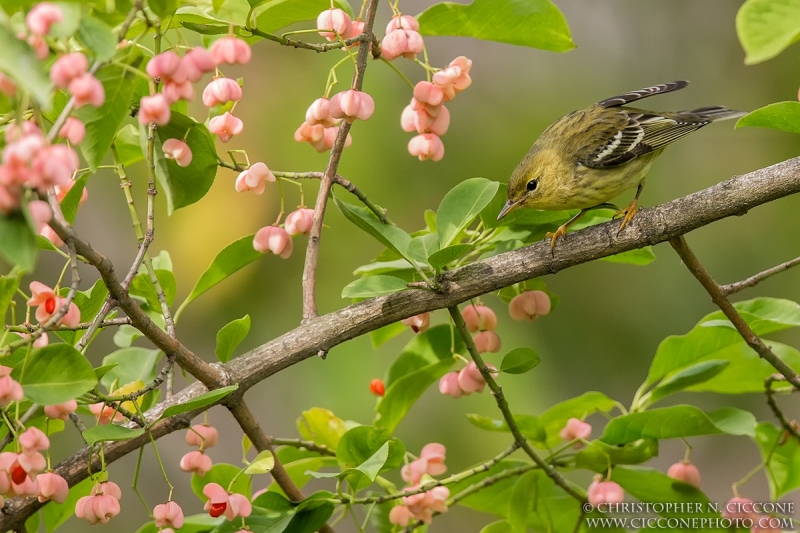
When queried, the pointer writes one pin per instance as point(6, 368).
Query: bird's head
point(536, 182)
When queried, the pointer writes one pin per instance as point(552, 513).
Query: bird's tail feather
point(632, 96)
point(714, 113)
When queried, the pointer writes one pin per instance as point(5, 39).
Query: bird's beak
point(510, 206)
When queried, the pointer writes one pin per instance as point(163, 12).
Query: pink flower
point(197, 62)
point(604, 492)
point(221, 502)
point(40, 213)
point(406, 43)
point(61, 410)
point(487, 341)
point(168, 514)
point(420, 120)
point(48, 304)
point(400, 515)
point(455, 77)
point(449, 386)
point(351, 105)
point(154, 109)
point(299, 222)
point(73, 130)
point(336, 20)
point(68, 67)
point(254, 178)
point(52, 487)
point(196, 462)
point(419, 323)
point(470, 379)
point(40, 293)
point(97, 509)
point(42, 16)
point(686, 472)
point(104, 413)
point(221, 91)
point(230, 50)
point(319, 112)
point(174, 91)
point(426, 146)
point(178, 151)
point(33, 440)
point(168, 66)
point(202, 436)
point(225, 126)
point(86, 89)
point(402, 22)
point(273, 239)
point(576, 429)
point(529, 305)
point(479, 317)
point(7, 86)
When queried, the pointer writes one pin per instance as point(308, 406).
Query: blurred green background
point(611, 318)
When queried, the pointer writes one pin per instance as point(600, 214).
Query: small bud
point(42, 16)
point(449, 386)
point(576, 429)
point(686, 472)
point(336, 20)
point(529, 305)
point(178, 151)
point(487, 341)
point(351, 105)
point(479, 318)
point(273, 239)
point(86, 89)
point(68, 67)
point(197, 62)
point(299, 222)
point(377, 387)
point(600, 492)
point(426, 146)
point(405, 43)
point(73, 130)
point(221, 91)
point(225, 126)
point(402, 22)
point(230, 50)
point(154, 110)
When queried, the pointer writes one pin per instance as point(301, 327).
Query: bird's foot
point(627, 214)
point(560, 232)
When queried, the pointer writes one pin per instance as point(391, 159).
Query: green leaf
point(71, 201)
point(17, 240)
point(501, 526)
point(56, 374)
point(373, 286)
point(556, 417)
point(125, 336)
point(312, 514)
point(782, 460)
point(424, 349)
point(767, 27)
point(8, 288)
point(68, 25)
point(640, 257)
point(101, 371)
point(127, 144)
point(598, 455)
point(143, 287)
point(222, 474)
point(405, 391)
point(98, 37)
point(447, 255)
point(534, 23)
point(678, 421)
point(262, 464)
point(369, 451)
point(519, 361)
point(232, 258)
point(386, 333)
point(783, 116)
point(210, 397)
point(19, 61)
point(103, 122)
point(321, 426)
point(276, 14)
point(691, 375)
point(163, 8)
point(423, 246)
point(54, 514)
point(461, 205)
point(110, 432)
point(132, 364)
point(184, 185)
point(652, 486)
point(390, 236)
point(522, 504)
point(529, 425)
point(229, 337)
point(297, 469)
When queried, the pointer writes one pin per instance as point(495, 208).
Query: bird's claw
point(628, 213)
point(560, 232)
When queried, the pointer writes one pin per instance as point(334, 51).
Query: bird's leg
point(562, 230)
point(632, 208)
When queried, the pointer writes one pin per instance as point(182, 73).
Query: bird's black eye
point(532, 185)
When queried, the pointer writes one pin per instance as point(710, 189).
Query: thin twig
point(312, 251)
point(502, 404)
point(720, 300)
point(788, 426)
point(309, 445)
point(308, 46)
point(754, 280)
point(27, 328)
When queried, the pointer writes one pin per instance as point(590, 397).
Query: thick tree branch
point(651, 226)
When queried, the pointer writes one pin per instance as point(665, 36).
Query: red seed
point(377, 387)
point(50, 305)
point(217, 509)
point(18, 474)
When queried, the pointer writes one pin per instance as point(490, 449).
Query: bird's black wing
point(632, 96)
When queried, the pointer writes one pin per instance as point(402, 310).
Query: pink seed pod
point(53, 165)
point(356, 29)
point(86, 89)
point(40, 213)
point(42, 16)
point(487, 341)
point(405, 43)
point(400, 516)
point(202, 436)
point(7, 86)
point(273, 239)
point(230, 50)
point(254, 178)
point(600, 492)
point(10, 391)
point(576, 429)
point(319, 112)
point(470, 379)
point(166, 66)
point(739, 508)
point(225, 126)
point(336, 20)
point(435, 454)
point(154, 110)
point(402, 22)
point(197, 62)
point(97, 509)
point(109, 488)
point(351, 105)
point(413, 471)
point(104, 414)
point(33, 440)
point(449, 386)
point(479, 318)
point(419, 323)
point(174, 91)
point(196, 462)
point(428, 93)
point(52, 487)
point(61, 410)
point(686, 472)
point(168, 514)
point(420, 120)
point(221, 91)
point(529, 305)
point(178, 151)
point(454, 78)
point(299, 222)
point(73, 130)
point(426, 146)
point(68, 67)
